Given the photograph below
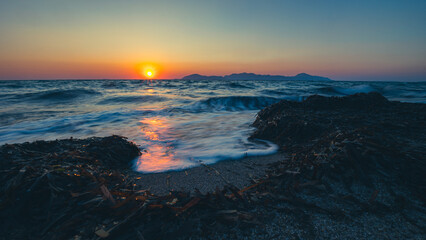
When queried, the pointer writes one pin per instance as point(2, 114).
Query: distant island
point(253, 76)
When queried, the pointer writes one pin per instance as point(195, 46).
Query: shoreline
point(207, 178)
point(354, 170)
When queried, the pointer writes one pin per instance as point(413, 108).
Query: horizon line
point(161, 79)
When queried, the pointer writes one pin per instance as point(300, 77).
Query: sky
point(105, 39)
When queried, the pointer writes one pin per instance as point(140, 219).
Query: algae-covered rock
point(358, 138)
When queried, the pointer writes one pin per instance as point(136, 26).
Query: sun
point(149, 73)
point(148, 70)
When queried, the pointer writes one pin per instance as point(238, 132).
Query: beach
point(212, 120)
point(335, 176)
point(207, 178)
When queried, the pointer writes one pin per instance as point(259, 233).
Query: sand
point(205, 178)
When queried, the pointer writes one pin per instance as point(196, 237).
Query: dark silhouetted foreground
point(354, 169)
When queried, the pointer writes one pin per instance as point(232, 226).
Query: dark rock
point(359, 139)
point(50, 187)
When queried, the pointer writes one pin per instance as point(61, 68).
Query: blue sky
point(347, 40)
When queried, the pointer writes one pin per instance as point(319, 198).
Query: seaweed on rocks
point(354, 169)
point(48, 185)
point(84, 189)
point(359, 136)
point(353, 154)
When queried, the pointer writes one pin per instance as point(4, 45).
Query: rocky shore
point(353, 169)
point(360, 160)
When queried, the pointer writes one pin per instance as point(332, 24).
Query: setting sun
point(149, 74)
point(148, 70)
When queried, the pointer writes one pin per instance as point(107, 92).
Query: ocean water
point(177, 123)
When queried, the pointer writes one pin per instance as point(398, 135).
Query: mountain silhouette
point(253, 76)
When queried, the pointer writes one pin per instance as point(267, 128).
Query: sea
point(178, 124)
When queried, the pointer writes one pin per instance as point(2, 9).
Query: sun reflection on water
point(158, 155)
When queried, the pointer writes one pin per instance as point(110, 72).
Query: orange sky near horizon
point(107, 39)
point(173, 70)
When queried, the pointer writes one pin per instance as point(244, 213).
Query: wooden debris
point(69, 188)
point(102, 233)
point(107, 194)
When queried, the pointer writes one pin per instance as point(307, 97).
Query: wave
point(113, 84)
point(58, 95)
point(238, 85)
point(233, 103)
point(82, 125)
point(11, 86)
point(132, 99)
point(272, 92)
point(348, 91)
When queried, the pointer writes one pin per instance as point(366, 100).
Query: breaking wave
point(177, 122)
point(233, 103)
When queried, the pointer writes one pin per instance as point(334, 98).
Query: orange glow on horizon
point(30, 69)
point(148, 70)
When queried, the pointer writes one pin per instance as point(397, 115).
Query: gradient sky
point(344, 40)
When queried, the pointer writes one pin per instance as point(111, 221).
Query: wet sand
point(207, 178)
